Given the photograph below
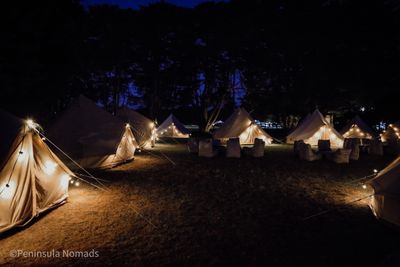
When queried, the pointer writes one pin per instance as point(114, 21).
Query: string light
point(8, 191)
point(30, 123)
point(21, 155)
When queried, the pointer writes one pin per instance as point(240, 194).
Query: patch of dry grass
point(214, 212)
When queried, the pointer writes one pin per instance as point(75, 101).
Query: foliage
point(288, 57)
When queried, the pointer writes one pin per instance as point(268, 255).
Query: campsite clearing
point(217, 211)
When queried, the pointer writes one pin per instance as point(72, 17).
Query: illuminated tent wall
point(32, 177)
point(241, 125)
point(392, 133)
point(357, 128)
point(385, 203)
point(172, 127)
point(92, 136)
point(314, 128)
point(143, 128)
point(301, 124)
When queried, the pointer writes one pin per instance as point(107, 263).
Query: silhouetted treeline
point(283, 58)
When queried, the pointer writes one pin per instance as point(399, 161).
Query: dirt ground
point(214, 212)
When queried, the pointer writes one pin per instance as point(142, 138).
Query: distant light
point(375, 171)
point(362, 109)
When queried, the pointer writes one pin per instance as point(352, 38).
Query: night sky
point(137, 3)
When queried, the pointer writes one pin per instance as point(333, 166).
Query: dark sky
point(137, 3)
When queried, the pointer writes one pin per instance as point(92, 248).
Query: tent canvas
point(172, 127)
point(91, 136)
point(385, 203)
point(33, 179)
point(241, 125)
point(315, 128)
point(357, 128)
point(392, 133)
point(301, 124)
point(143, 128)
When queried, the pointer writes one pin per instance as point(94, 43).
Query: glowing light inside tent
point(391, 132)
point(65, 180)
point(49, 167)
point(8, 190)
point(77, 183)
point(356, 132)
point(364, 186)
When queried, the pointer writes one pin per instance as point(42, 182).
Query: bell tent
point(92, 136)
point(385, 203)
point(172, 127)
point(32, 178)
point(358, 129)
point(315, 127)
point(392, 133)
point(241, 125)
point(143, 128)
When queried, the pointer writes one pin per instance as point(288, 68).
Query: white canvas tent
point(172, 127)
point(357, 128)
point(392, 133)
point(315, 128)
point(385, 203)
point(143, 128)
point(32, 178)
point(92, 136)
point(241, 125)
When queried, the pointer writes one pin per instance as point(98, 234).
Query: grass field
point(218, 212)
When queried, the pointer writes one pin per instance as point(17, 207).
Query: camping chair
point(297, 146)
point(375, 148)
point(306, 153)
point(233, 148)
point(324, 145)
point(354, 145)
point(341, 156)
point(206, 148)
point(257, 150)
point(193, 145)
point(355, 152)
